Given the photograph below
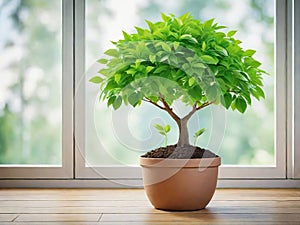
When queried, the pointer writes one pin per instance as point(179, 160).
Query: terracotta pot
point(180, 184)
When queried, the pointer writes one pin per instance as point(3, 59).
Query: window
point(31, 88)
point(246, 141)
point(53, 126)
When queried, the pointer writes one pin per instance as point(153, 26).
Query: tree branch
point(154, 103)
point(195, 108)
point(189, 115)
point(169, 109)
point(204, 105)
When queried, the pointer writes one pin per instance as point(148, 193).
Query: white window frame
point(226, 172)
point(66, 169)
point(293, 100)
point(296, 41)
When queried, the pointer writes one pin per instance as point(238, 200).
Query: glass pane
point(30, 87)
point(119, 137)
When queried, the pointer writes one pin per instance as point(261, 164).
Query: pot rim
point(174, 163)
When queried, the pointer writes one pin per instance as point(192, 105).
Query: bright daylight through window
point(31, 80)
point(119, 137)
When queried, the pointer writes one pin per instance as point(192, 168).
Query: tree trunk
point(183, 133)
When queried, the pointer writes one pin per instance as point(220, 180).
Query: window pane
point(30, 87)
point(119, 137)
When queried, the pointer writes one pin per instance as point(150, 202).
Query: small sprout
point(198, 134)
point(163, 131)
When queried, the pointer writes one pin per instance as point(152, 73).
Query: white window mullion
point(68, 87)
point(296, 88)
point(79, 66)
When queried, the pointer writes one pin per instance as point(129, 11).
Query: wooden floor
point(130, 207)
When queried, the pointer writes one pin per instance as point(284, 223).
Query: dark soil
point(174, 152)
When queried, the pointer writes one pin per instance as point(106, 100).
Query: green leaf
point(149, 68)
point(209, 60)
point(139, 30)
point(165, 17)
point(159, 127)
point(191, 81)
point(249, 52)
point(161, 69)
point(162, 133)
point(118, 78)
point(134, 99)
point(104, 72)
point(150, 25)
point(260, 92)
point(212, 92)
point(117, 103)
point(231, 33)
point(96, 80)
point(189, 38)
point(152, 58)
point(127, 37)
point(227, 100)
point(203, 46)
point(249, 61)
point(176, 45)
point(166, 47)
point(166, 57)
point(184, 16)
point(131, 71)
point(208, 23)
point(111, 85)
point(102, 61)
point(257, 92)
point(240, 104)
point(195, 93)
point(167, 128)
point(111, 100)
point(222, 50)
point(199, 65)
point(199, 132)
point(112, 52)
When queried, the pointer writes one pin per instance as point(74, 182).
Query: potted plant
point(180, 59)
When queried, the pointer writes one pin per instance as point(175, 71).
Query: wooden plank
point(50, 210)
point(7, 217)
point(50, 223)
point(202, 223)
point(138, 194)
point(58, 218)
point(66, 203)
point(127, 198)
point(126, 193)
point(132, 203)
point(143, 210)
point(66, 196)
point(152, 223)
point(257, 194)
point(194, 217)
point(88, 192)
point(249, 203)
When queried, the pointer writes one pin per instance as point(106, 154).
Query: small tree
point(180, 59)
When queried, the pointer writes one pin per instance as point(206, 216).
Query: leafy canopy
point(180, 58)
